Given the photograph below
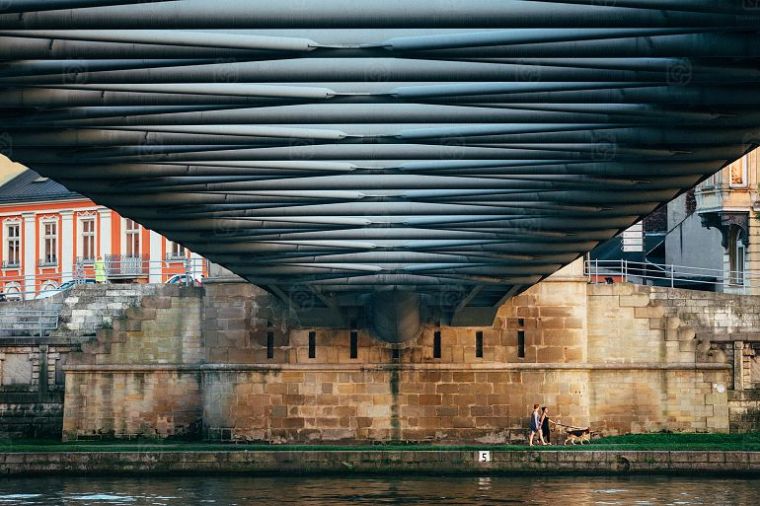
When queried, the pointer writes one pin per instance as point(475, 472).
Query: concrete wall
point(688, 242)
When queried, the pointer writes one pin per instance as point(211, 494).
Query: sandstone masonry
point(226, 362)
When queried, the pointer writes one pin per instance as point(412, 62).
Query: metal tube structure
point(449, 153)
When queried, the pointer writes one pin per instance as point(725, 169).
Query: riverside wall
point(369, 462)
point(219, 363)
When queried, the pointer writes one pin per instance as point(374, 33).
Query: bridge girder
point(462, 150)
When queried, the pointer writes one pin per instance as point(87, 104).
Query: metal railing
point(117, 269)
point(674, 276)
point(126, 266)
point(23, 322)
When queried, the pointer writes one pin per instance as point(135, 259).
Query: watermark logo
point(301, 298)
point(751, 5)
point(150, 147)
point(679, 72)
point(604, 148)
point(529, 73)
point(6, 144)
point(75, 72)
point(451, 296)
point(224, 227)
point(226, 70)
point(301, 149)
point(751, 139)
point(451, 148)
point(377, 72)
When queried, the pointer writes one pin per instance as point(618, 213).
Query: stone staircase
point(87, 308)
point(30, 318)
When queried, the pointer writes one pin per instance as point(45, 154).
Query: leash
point(572, 426)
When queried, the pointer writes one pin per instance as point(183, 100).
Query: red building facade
point(50, 235)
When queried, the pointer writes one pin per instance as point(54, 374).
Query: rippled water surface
point(221, 490)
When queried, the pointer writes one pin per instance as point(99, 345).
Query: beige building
point(715, 228)
point(728, 202)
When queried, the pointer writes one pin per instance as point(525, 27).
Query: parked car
point(65, 287)
point(183, 279)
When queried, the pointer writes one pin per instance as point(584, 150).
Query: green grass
point(633, 442)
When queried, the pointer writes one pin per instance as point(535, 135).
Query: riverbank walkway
point(650, 453)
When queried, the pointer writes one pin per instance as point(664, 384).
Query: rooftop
point(29, 186)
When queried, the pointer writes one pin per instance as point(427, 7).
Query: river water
point(318, 491)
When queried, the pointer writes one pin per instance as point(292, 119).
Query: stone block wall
point(130, 401)
point(140, 377)
point(31, 386)
point(605, 356)
point(620, 358)
point(87, 308)
point(392, 403)
point(682, 326)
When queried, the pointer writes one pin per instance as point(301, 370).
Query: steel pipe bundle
point(333, 150)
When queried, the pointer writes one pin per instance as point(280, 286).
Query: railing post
point(672, 275)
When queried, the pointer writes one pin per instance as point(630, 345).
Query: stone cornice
point(581, 366)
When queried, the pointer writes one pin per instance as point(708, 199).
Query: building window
point(738, 173)
point(88, 240)
point(354, 344)
point(12, 291)
point(12, 245)
point(312, 344)
point(50, 242)
point(479, 344)
point(437, 344)
point(270, 341)
point(633, 238)
point(177, 250)
point(132, 238)
point(520, 344)
point(736, 254)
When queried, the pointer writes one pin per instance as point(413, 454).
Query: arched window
point(736, 255)
point(49, 285)
point(12, 291)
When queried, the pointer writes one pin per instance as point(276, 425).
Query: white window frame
point(737, 257)
point(126, 235)
point(83, 218)
point(44, 237)
point(48, 284)
point(12, 291)
point(13, 222)
point(744, 182)
point(174, 255)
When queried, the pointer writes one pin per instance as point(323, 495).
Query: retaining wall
point(407, 462)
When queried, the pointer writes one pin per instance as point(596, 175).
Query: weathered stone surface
point(364, 461)
point(617, 357)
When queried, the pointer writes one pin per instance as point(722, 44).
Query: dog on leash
point(578, 436)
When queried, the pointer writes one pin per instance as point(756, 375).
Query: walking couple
point(539, 423)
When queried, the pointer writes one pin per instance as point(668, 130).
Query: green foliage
point(631, 442)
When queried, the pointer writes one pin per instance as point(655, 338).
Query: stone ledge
point(689, 366)
point(435, 460)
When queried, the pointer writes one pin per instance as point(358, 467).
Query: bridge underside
point(456, 151)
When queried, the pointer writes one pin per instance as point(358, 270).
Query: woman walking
point(535, 425)
point(545, 432)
